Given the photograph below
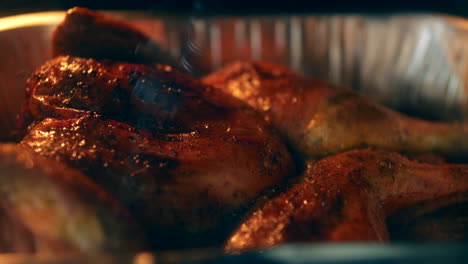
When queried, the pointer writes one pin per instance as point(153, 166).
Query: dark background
point(454, 7)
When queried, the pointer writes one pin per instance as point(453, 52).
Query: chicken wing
point(347, 197)
point(56, 209)
point(320, 119)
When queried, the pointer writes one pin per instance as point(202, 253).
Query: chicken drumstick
point(320, 119)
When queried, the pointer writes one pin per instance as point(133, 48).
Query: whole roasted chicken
point(182, 157)
point(185, 159)
point(320, 119)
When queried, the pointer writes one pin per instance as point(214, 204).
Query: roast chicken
point(47, 207)
point(347, 197)
point(182, 157)
point(119, 150)
point(321, 119)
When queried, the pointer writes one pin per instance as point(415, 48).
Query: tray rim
point(54, 17)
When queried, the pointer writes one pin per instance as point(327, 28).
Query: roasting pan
point(415, 63)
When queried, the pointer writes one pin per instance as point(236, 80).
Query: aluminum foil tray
point(414, 63)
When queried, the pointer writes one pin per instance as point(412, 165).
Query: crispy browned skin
point(60, 208)
point(321, 119)
point(86, 33)
point(346, 197)
point(179, 185)
point(155, 98)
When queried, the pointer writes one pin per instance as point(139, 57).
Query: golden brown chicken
point(186, 159)
point(183, 157)
point(157, 97)
point(347, 197)
point(320, 119)
point(50, 208)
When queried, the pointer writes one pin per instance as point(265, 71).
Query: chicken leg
point(347, 197)
point(320, 119)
